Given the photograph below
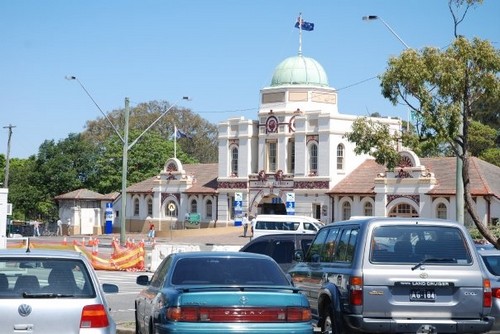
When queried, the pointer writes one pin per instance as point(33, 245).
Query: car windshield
point(44, 278)
point(227, 271)
point(418, 244)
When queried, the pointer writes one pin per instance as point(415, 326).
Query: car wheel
point(330, 324)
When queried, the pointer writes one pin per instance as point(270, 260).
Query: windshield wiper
point(434, 260)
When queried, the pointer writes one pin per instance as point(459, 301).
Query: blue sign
point(108, 227)
point(290, 203)
point(238, 212)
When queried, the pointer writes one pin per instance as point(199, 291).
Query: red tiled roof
point(81, 194)
point(204, 174)
point(484, 177)
point(206, 178)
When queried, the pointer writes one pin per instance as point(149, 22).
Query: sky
point(220, 53)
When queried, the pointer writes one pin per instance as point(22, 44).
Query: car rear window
point(227, 271)
point(44, 278)
point(492, 263)
point(432, 244)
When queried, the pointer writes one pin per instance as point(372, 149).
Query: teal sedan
point(220, 292)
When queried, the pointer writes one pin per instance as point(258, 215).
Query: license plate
point(422, 295)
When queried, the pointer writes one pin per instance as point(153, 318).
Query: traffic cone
point(65, 242)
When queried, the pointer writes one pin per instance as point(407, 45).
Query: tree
point(442, 87)
point(145, 159)
point(202, 148)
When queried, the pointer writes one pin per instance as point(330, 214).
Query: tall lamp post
point(459, 184)
point(126, 148)
point(375, 17)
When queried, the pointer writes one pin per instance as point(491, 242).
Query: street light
point(375, 17)
point(126, 148)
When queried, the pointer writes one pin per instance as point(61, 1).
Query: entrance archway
point(271, 204)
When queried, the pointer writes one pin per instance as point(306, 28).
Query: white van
point(283, 224)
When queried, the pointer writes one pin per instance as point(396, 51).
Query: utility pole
point(7, 158)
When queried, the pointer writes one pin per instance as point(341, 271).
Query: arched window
point(403, 210)
point(194, 206)
point(340, 157)
point(234, 161)
point(136, 206)
point(368, 209)
point(442, 211)
point(346, 210)
point(150, 207)
point(313, 159)
point(209, 209)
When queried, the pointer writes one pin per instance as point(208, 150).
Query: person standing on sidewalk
point(151, 232)
point(245, 223)
point(59, 227)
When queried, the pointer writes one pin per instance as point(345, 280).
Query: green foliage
point(481, 138)
point(491, 155)
point(368, 134)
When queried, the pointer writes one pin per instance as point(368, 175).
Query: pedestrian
point(151, 232)
point(69, 226)
point(36, 228)
point(245, 223)
point(252, 224)
point(59, 227)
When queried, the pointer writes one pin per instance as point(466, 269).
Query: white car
point(50, 291)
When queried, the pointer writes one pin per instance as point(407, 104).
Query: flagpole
point(300, 34)
point(175, 141)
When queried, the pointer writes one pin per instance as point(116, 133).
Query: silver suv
point(395, 275)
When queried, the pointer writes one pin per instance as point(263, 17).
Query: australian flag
point(307, 26)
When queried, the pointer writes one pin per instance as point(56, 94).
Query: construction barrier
point(128, 258)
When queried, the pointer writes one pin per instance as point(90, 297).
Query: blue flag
point(307, 26)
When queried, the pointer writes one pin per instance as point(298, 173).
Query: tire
point(330, 324)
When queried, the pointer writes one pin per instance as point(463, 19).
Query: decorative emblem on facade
point(172, 167)
point(262, 176)
point(272, 124)
point(279, 175)
point(405, 161)
point(414, 198)
point(402, 174)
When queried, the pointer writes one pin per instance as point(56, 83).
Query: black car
point(285, 249)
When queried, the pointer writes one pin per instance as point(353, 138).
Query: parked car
point(491, 259)
point(395, 275)
point(282, 224)
point(220, 292)
point(285, 249)
point(49, 291)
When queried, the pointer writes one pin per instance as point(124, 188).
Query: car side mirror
point(142, 280)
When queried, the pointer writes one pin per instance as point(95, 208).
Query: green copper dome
point(299, 70)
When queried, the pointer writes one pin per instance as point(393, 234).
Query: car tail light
point(94, 316)
point(228, 314)
point(356, 291)
point(496, 292)
point(487, 295)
